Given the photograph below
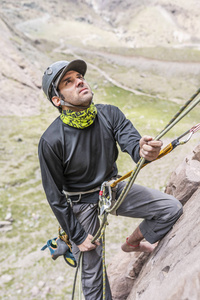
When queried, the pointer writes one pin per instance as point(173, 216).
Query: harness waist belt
point(81, 193)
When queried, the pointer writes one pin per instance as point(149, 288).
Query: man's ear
point(56, 101)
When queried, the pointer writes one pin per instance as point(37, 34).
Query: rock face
point(172, 271)
point(185, 180)
point(123, 271)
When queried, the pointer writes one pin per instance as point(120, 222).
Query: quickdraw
point(190, 132)
point(165, 150)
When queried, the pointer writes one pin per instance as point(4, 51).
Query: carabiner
point(105, 197)
point(186, 140)
point(190, 132)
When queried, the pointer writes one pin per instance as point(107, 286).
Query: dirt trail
point(138, 62)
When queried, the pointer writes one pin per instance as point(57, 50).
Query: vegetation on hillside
point(161, 74)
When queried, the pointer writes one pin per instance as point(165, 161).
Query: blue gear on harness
point(58, 247)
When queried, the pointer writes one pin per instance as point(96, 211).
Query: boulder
point(123, 270)
point(172, 271)
point(185, 180)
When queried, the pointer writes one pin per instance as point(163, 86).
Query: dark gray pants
point(159, 211)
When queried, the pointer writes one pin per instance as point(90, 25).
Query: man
point(78, 153)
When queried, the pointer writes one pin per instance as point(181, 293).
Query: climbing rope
point(183, 111)
point(164, 151)
point(76, 274)
point(102, 237)
point(183, 107)
point(80, 277)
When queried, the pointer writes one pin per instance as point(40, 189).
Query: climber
point(77, 153)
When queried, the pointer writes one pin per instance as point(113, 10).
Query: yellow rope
point(102, 237)
point(162, 153)
point(104, 263)
point(80, 277)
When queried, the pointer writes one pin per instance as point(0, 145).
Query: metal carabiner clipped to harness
point(190, 132)
point(105, 196)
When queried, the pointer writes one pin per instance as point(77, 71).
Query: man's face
point(75, 89)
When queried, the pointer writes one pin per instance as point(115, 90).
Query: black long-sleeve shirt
point(76, 160)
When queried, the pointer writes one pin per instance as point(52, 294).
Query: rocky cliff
point(172, 271)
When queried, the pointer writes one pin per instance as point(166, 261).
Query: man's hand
point(149, 149)
point(87, 245)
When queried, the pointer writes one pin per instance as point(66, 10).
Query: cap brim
point(77, 65)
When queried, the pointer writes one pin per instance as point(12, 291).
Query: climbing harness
point(105, 194)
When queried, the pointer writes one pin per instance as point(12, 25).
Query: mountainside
point(19, 76)
point(152, 23)
point(149, 46)
point(142, 56)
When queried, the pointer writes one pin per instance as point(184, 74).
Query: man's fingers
point(97, 243)
point(87, 245)
point(149, 155)
point(149, 148)
point(155, 143)
point(147, 138)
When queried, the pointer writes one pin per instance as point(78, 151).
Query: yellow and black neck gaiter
point(80, 119)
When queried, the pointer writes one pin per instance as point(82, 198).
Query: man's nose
point(79, 81)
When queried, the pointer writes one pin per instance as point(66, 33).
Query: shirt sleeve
point(52, 180)
point(126, 134)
